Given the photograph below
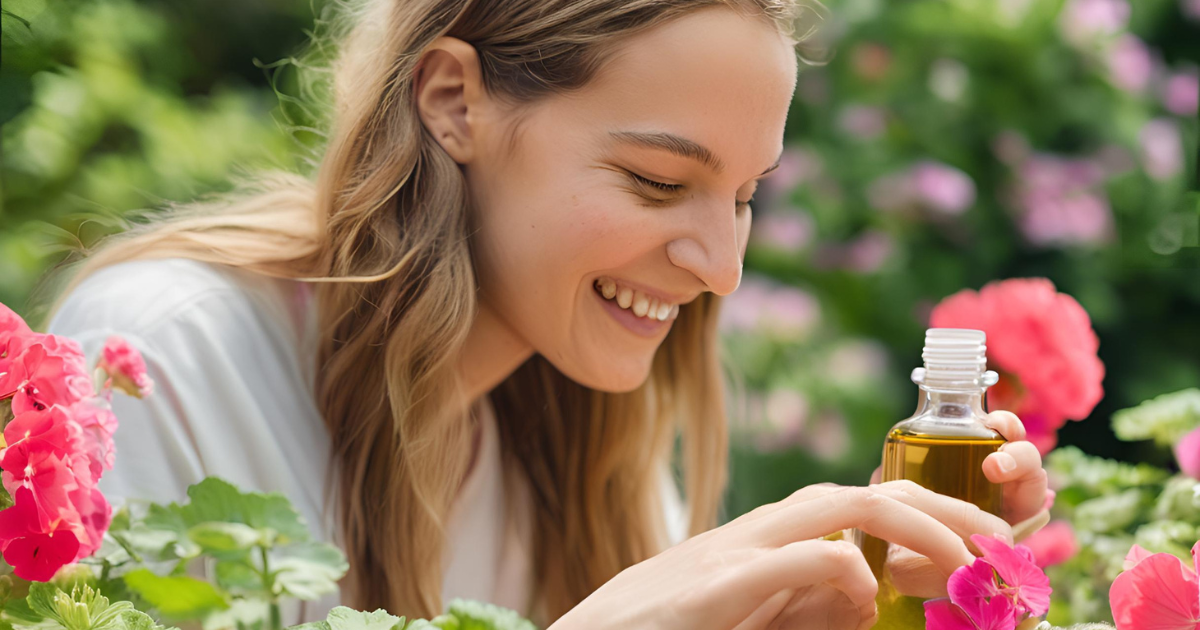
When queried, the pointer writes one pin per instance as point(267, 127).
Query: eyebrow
point(679, 146)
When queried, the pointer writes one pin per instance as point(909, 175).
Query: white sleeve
point(229, 399)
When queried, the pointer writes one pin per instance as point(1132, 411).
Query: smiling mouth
point(636, 302)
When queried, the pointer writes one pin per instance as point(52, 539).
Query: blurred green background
point(945, 144)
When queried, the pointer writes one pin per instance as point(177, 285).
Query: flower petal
point(1159, 593)
point(941, 614)
point(1017, 569)
point(1136, 554)
point(1187, 453)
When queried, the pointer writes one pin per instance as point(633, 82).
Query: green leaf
point(1111, 513)
point(177, 597)
point(309, 570)
point(243, 614)
point(214, 499)
point(1083, 476)
point(1165, 419)
point(235, 575)
point(83, 609)
point(342, 618)
point(222, 537)
point(472, 615)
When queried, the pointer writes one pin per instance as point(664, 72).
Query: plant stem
point(275, 622)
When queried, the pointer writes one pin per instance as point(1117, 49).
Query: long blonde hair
point(382, 231)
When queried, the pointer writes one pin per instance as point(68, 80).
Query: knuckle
point(905, 486)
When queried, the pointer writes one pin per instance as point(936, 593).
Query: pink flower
point(1060, 200)
point(788, 231)
point(34, 551)
point(1156, 592)
point(96, 424)
point(1161, 148)
point(1053, 544)
point(1130, 63)
point(46, 370)
point(12, 329)
point(1187, 453)
point(126, 368)
point(1042, 344)
point(996, 592)
point(943, 188)
point(863, 122)
point(1181, 93)
point(1085, 20)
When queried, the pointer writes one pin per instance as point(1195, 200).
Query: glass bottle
point(941, 447)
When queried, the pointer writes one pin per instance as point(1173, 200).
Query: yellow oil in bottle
point(942, 448)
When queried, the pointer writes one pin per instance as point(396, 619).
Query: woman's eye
point(659, 185)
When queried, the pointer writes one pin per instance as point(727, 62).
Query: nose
point(710, 246)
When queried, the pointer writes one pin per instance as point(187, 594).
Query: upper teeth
point(641, 304)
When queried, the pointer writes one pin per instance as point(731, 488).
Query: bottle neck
point(964, 404)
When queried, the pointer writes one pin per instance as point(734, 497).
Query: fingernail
point(1006, 462)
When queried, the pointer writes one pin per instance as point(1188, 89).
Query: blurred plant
point(1109, 506)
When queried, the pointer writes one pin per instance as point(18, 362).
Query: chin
point(612, 379)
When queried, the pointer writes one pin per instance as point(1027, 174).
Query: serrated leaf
point(215, 499)
point(472, 615)
point(177, 596)
point(309, 570)
point(223, 537)
point(343, 618)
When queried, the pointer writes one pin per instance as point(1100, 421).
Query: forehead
point(714, 76)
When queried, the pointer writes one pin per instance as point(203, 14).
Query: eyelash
point(672, 188)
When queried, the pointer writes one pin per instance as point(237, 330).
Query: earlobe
point(447, 89)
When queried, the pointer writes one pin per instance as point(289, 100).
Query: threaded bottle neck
point(955, 360)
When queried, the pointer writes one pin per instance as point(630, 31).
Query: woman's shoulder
point(143, 296)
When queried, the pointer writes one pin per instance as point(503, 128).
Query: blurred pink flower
point(827, 437)
point(1082, 21)
point(863, 122)
point(1042, 344)
point(932, 185)
point(1190, 8)
point(1156, 592)
point(1060, 200)
point(759, 305)
point(1053, 544)
point(995, 592)
point(1181, 92)
point(1161, 148)
point(125, 368)
point(786, 412)
point(790, 230)
point(943, 188)
point(868, 252)
point(1187, 453)
point(856, 362)
point(1130, 63)
point(1010, 147)
point(797, 166)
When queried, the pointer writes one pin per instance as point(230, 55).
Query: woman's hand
point(772, 569)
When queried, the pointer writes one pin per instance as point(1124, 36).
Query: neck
point(493, 351)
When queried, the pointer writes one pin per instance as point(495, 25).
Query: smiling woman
point(481, 326)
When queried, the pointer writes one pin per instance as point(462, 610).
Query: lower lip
point(640, 326)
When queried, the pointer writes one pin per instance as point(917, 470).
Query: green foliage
point(1165, 419)
point(83, 608)
point(461, 615)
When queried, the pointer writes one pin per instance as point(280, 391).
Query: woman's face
point(578, 253)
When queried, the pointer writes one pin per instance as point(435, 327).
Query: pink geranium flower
point(35, 552)
point(1156, 592)
point(12, 329)
point(125, 368)
point(1042, 344)
point(46, 370)
point(1053, 544)
point(996, 592)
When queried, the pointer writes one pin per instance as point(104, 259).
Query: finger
point(810, 562)
point(767, 612)
point(1018, 465)
point(875, 513)
point(1006, 423)
point(1027, 527)
point(914, 575)
point(877, 476)
point(963, 518)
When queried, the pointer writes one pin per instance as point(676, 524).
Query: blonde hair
point(383, 233)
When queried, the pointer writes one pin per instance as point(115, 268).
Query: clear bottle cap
point(954, 358)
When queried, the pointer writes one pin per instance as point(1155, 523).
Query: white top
point(232, 355)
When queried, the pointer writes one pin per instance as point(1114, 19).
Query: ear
point(450, 96)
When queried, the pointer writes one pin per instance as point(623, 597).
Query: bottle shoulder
point(927, 425)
